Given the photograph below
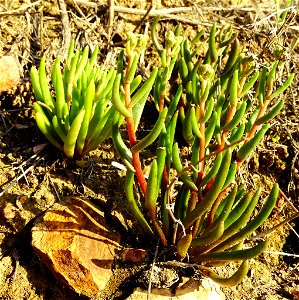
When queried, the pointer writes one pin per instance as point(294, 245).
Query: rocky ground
point(35, 179)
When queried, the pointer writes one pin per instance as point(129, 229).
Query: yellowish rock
point(9, 74)
point(204, 289)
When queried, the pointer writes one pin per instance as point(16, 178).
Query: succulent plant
point(220, 101)
point(222, 104)
point(75, 113)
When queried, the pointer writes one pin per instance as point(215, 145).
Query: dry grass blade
point(24, 172)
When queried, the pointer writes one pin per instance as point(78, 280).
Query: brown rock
point(9, 74)
point(73, 240)
point(133, 255)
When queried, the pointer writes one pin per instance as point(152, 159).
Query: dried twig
point(111, 18)
point(151, 274)
point(277, 12)
point(136, 11)
point(20, 10)
point(289, 201)
point(151, 8)
point(166, 13)
point(66, 31)
point(282, 253)
point(24, 172)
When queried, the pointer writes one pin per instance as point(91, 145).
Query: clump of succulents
point(74, 112)
point(217, 98)
point(222, 103)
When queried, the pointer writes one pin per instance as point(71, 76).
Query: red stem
point(131, 132)
point(136, 159)
point(153, 215)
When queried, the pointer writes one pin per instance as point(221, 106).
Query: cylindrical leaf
point(35, 84)
point(213, 192)
point(285, 85)
point(137, 214)
point(214, 233)
point(47, 98)
point(152, 187)
point(271, 114)
point(247, 148)
point(257, 221)
point(71, 138)
point(183, 246)
point(212, 172)
point(236, 118)
point(226, 256)
point(116, 100)
point(179, 168)
point(154, 133)
point(88, 106)
point(46, 128)
point(235, 279)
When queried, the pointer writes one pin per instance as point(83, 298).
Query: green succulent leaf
point(210, 130)
point(187, 127)
point(255, 222)
point(249, 84)
point(179, 168)
point(181, 203)
point(154, 35)
point(154, 133)
point(59, 89)
point(208, 110)
point(233, 99)
point(71, 138)
point(116, 99)
point(271, 114)
point(152, 187)
point(237, 118)
point(235, 279)
point(285, 85)
point(88, 106)
point(44, 84)
point(213, 171)
point(234, 255)
point(232, 59)
point(183, 246)
point(47, 129)
point(131, 74)
point(229, 202)
point(35, 84)
point(248, 147)
point(212, 44)
point(121, 147)
point(214, 232)
point(213, 192)
point(59, 130)
point(139, 99)
point(138, 216)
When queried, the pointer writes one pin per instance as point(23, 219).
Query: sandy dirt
point(29, 31)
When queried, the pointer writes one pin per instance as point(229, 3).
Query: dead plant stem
point(19, 10)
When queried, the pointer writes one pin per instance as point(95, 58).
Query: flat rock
point(73, 240)
point(191, 289)
point(9, 74)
